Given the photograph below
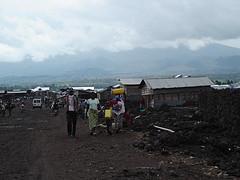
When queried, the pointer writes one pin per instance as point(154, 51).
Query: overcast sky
point(46, 28)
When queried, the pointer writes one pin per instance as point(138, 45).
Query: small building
point(41, 91)
point(105, 94)
point(6, 95)
point(221, 87)
point(83, 88)
point(132, 89)
point(17, 93)
point(173, 91)
point(83, 92)
point(3, 92)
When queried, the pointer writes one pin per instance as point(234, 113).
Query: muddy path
point(35, 145)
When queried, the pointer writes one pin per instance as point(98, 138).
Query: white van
point(37, 103)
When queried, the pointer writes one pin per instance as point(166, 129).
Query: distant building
point(173, 91)
point(132, 89)
point(221, 87)
point(83, 92)
point(83, 88)
point(12, 94)
point(105, 94)
point(40, 89)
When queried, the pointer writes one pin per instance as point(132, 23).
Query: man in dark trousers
point(9, 107)
point(72, 108)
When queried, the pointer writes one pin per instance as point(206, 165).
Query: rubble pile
point(210, 132)
point(164, 172)
point(222, 107)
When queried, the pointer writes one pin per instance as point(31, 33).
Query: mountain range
point(211, 59)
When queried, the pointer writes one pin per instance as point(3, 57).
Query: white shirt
point(71, 103)
point(122, 110)
point(93, 103)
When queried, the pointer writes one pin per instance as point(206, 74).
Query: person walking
point(3, 109)
point(9, 107)
point(55, 108)
point(82, 109)
point(94, 106)
point(22, 106)
point(118, 112)
point(72, 108)
point(108, 116)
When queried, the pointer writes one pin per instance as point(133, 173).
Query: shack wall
point(174, 97)
point(133, 92)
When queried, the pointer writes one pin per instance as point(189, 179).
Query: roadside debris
point(165, 129)
point(137, 117)
point(191, 133)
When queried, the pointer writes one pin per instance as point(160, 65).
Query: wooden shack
point(83, 92)
point(8, 95)
point(105, 94)
point(173, 91)
point(132, 89)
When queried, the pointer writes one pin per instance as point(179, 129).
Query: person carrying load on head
point(118, 112)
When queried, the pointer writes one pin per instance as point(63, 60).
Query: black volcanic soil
point(34, 145)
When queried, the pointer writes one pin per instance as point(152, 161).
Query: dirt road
point(34, 145)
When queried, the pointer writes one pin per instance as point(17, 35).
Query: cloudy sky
point(46, 28)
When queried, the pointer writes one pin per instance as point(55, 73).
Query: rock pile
point(193, 135)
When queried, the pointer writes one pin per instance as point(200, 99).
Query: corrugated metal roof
point(16, 92)
point(221, 87)
point(131, 81)
point(40, 89)
point(178, 82)
point(83, 88)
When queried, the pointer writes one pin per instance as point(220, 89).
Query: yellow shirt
point(108, 113)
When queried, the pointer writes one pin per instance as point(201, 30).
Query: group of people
point(6, 107)
point(113, 112)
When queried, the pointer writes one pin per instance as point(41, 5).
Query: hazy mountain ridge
point(101, 64)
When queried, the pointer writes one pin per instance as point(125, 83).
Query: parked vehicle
point(37, 103)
